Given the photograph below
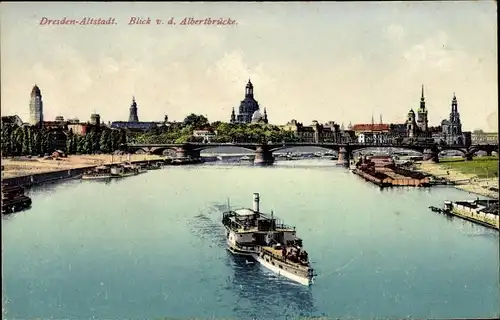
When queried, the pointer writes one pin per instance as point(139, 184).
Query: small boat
point(154, 166)
point(435, 209)
point(99, 173)
point(126, 170)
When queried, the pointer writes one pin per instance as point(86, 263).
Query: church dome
point(257, 116)
point(411, 112)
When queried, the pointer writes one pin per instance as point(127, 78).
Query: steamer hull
point(268, 241)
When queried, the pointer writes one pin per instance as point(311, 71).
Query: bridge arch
point(462, 150)
point(152, 150)
point(280, 148)
point(208, 147)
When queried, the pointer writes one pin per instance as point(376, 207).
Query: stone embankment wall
point(46, 177)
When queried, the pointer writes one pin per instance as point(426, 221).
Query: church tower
point(36, 107)
point(233, 117)
point(133, 112)
point(456, 124)
point(411, 125)
point(422, 121)
point(265, 116)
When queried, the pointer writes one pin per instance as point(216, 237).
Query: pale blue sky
point(308, 61)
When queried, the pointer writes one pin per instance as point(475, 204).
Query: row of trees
point(24, 140)
point(226, 132)
point(102, 140)
point(31, 140)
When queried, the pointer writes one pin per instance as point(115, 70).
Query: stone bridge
point(264, 152)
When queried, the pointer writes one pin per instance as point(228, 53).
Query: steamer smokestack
point(256, 200)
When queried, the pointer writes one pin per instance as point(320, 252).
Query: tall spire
point(454, 104)
point(373, 121)
point(380, 118)
point(422, 102)
point(233, 117)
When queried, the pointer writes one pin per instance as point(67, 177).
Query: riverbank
point(23, 166)
point(471, 176)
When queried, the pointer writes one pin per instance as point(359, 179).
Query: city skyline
point(302, 63)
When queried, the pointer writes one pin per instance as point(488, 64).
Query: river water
point(152, 246)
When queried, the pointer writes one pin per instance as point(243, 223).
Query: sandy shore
point(467, 182)
point(15, 167)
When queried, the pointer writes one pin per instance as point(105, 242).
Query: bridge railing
point(384, 143)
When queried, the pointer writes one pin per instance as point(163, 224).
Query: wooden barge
point(14, 199)
point(382, 171)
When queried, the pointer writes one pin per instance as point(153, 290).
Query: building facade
point(316, 132)
point(248, 110)
point(14, 120)
point(206, 135)
point(36, 107)
point(481, 137)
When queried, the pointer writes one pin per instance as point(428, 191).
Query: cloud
point(394, 32)
point(492, 121)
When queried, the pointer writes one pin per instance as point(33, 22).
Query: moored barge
point(14, 199)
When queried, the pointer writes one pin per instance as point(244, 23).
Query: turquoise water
point(152, 246)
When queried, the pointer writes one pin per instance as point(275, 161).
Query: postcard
point(249, 160)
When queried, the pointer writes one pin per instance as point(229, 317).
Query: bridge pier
point(263, 156)
point(431, 155)
point(344, 157)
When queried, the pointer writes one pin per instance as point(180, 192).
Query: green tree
point(37, 142)
point(105, 143)
point(25, 149)
point(195, 121)
point(69, 141)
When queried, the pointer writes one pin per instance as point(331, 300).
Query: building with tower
point(36, 107)
point(417, 124)
point(411, 124)
point(95, 119)
point(451, 129)
point(248, 111)
point(133, 123)
point(133, 112)
point(422, 119)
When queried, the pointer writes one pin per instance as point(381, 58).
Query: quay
point(72, 173)
point(382, 171)
point(483, 212)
